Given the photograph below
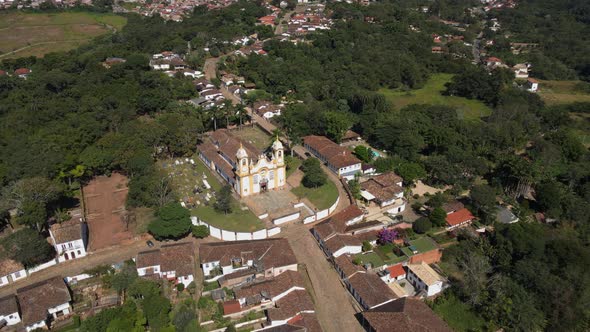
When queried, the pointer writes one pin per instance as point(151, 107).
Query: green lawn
point(422, 244)
point(293, 164)
point(322, 197)
point(458, 315)
point(371, 258)
point(469, 109)
point(186, 176)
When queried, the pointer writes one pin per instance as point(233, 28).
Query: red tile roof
point(396, 271)
point(231, 307)
point(459, 217)
point(22, 71)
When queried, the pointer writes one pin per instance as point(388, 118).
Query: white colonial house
point(9, 314)
point(11, 271)
point(424, 278)
point(269, 257)
point(43, 302)
point(338, 159)
point(70, 238)
point(173, 262)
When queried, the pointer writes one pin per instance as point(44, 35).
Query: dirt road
point(77, 266)
point(334, 305)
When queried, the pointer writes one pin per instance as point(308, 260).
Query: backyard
point(35, 34)
point(468, 109)
point(254, 136)
point(322, 197)
point(188, 182)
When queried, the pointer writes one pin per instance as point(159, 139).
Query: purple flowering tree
point(387, 236)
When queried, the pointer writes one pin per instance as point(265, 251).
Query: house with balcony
point(70, 238)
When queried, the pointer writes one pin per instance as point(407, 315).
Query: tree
point(387, 235)
point(422, 225)
point(438, 217)
point(200, 231)
point(172, 222)
point(223, 200)
point(411, 172)
point(484, 199)
point(314, 174)
point(33, 214)
point(363, 153)
point(27, 247)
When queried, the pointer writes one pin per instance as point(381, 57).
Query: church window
point(255, 179)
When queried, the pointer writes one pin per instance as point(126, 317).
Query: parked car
point(149, 243)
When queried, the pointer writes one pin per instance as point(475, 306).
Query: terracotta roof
point(532, 80)
point(291, 305)
point(308, 321)
point(148, 258)
point(22, 71)
point(231, 307)
point(179, 257)
point(272, 287)
point(8, 266)
point(368, 236)
point(346, 266)
point(332, 152)
point(340, 241)
point(425, 273)
point(372, 290)
point(404, 315)
point(387, 179)
point(369, 225)
point(8, 305)
point(349, 134)
point(272, 252)
point(337, 223)
point(459, 217)
point(37, 298)
point(70, 230)
point(452, 206)
point(396, 270)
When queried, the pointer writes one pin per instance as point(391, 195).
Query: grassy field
point(35, 34)
point(186, 176)
point(254, 136)
point(322, 197)
point(458, 315)
point(561, 92)
point(431, 94)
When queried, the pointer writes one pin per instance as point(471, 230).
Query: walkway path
point(335, 307)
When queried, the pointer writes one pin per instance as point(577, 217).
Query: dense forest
point(73, 119)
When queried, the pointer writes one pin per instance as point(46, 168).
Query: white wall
point(11, 319)
point(4, 281)
point(42, 266)
point(40, 324)
point(352, 250)
point(141, 271)
point(288, 218)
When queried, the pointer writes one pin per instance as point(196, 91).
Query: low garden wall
point(225, 235)
point(322, 214)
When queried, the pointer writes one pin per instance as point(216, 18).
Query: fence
point(224, 235)
point(42, 266)
point(322, 214)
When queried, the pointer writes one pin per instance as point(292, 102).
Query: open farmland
point(35, 34)
point(431, 93)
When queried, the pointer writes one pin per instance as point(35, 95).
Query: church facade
point(248, 170)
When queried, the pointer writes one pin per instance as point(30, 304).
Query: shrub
point(422, 225)
point(367, 246)
point(180, 287)
point(200, 232)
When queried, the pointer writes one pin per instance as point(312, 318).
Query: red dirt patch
point(104, 204)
